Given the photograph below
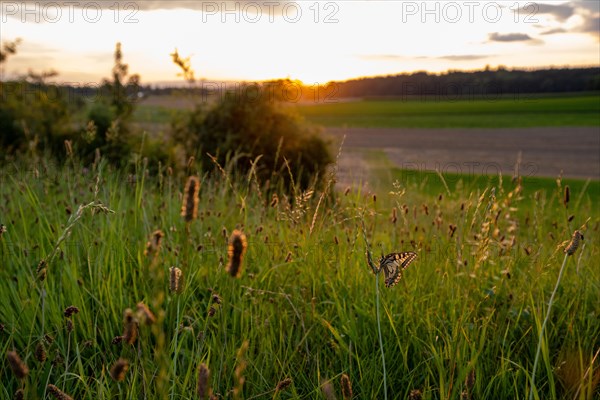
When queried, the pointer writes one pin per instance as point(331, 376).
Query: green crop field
point(503, 112)
point(464, 320)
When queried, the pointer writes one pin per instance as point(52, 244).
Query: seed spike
point(189, 208)
point(235, 251)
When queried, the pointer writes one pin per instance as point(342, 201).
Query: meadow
point(462, 323)
point(525, 110)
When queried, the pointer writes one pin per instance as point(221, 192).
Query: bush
point(248, 126)
point(32, 112)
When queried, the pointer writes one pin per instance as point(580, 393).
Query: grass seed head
point(144, 314)
point(130, 326)
point(283, 385)
point(212, 311)
point(153, 245)
point(18, 367)
point(40, 352)
point(346, 387)
point(288, 257)
point(574, 243)
point(117, 340)
point(41, 275)
point(69, 311)
point(57, 393)
point(235, 251)
point(69, 148)
point(119, 369)
point(189, 208)
point(415, 394)
point(328, 391)
point(202, 388)
point(470, 380)
point(19, 395)
point(567, 196)
point(175, 276)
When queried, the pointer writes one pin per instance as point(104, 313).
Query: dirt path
point(538, 151)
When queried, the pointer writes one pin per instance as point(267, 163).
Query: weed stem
point(539, 347)
point(380, 339)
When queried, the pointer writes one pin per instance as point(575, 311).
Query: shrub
point(33, 113)
point(244, 125)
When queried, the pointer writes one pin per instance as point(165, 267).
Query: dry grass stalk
point(203, 375)
point(119, 369)
point(189, 208)
point(235, 251)
point(346, 387)
point(18, 367)
point(57, 393)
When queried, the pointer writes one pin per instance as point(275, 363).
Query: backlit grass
point(304, 306)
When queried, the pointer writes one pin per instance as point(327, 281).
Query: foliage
point(488, 82)
point(111, 114)
point(33, 115)
point(464, 317)
point(250, 123)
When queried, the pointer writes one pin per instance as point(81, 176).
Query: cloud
point(591, 6)
point(561, 12)
point(591, 24)
point(509, 37)
point(464, 57)
point(554, 31)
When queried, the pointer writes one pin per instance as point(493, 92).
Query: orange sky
point(314, 41)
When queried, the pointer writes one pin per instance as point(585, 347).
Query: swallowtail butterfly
point(393, 264)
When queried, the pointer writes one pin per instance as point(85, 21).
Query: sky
point(313, 41)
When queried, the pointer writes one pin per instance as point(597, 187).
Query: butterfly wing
point(393, 264)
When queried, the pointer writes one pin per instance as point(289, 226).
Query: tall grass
point(301, 308)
